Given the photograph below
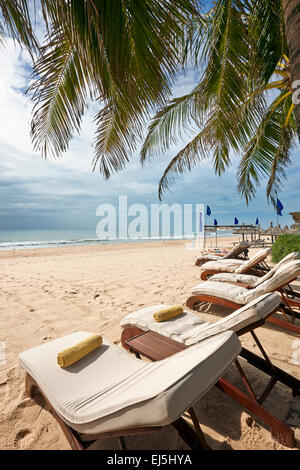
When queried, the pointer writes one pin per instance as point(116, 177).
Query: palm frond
point(59, 93)
point(194, 37)
point(221, 90)
point(194, 152)
point(17, 23)
point(116, 133)
point(128, 53)
point(179, 116)
point(268, 42)
point(268, 152)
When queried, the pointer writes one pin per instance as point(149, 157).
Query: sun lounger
point(255, 265)
point(250, 281)
point(234, 296)
point(110, 393)
point(239, 251)
point(260, 242)
point(144, 336)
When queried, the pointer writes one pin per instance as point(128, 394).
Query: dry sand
point(48, 293)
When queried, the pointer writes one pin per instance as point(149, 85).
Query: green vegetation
point(284, 245)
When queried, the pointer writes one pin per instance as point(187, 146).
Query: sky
point(64, 193)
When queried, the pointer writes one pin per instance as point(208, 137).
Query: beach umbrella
point(208, 211)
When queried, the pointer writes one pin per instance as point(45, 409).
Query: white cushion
point(189, 328)
point(254, 260)
point(246, 279)
point(285, 274)
point(110, 389)
point(226, 266)
point(208, 257)
point(254, 281)
point(236, 265)
point(241, 295)
point(235, 251)
point(223, 290)
point(269, 274)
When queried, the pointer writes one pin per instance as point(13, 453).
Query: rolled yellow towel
point(73, 354)
point(168, 313)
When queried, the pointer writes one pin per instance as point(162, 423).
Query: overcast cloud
point(64, 193)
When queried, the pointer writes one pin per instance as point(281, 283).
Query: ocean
point(29, 239)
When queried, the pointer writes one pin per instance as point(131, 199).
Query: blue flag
point(279, 207)
point(208, 211)
point(236, 221)
point(257, 221)
point(215, 222)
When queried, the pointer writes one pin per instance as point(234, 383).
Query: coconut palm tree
point(245, 52)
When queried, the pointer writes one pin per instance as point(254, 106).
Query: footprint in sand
point(22, 438)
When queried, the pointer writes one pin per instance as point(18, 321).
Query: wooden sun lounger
point(258, 271)
point(240, 251)
point(156, 347)
point(286, 307)
point(194, 438)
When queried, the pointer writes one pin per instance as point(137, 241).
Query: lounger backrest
point(253, 261)
point(292, 256)
point(251, 313)
point(237, 250)
point(283, 276)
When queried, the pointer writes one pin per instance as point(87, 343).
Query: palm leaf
point(180, 115)
point(125, 53)
point(59, 94)
point(17, 23)
point(268, 152)
point(194, 152)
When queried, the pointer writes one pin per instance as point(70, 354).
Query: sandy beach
point(51, 292)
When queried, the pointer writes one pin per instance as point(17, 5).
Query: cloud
point(65, 192)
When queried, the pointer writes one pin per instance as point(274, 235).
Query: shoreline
point(42, 244)
point(223, 242)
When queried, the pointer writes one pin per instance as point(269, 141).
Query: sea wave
point(46, 243)
point(33, 244)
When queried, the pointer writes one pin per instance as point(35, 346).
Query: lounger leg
point(245, 380)
point(268, 368)
point(284, 324)
point(122, 443)
point(287, 309)
point(197, 426)
point(281, 432)
point(188, 435)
